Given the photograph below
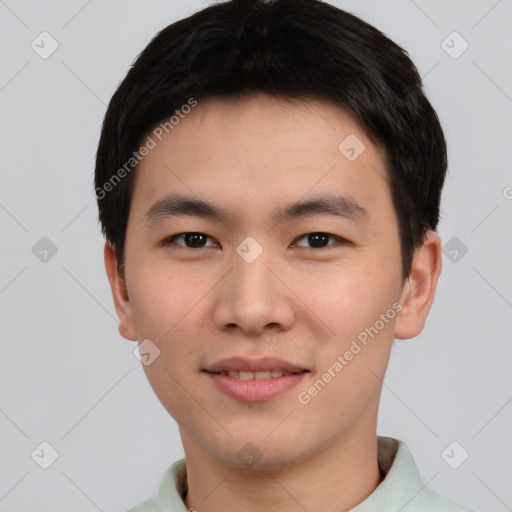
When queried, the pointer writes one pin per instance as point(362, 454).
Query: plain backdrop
point(67, 378)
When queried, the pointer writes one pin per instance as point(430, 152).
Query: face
point(293, 253)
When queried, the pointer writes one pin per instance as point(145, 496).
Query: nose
point(253, 297)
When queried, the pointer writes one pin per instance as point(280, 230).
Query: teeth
point(255, 375)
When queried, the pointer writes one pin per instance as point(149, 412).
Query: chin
point(262, 455)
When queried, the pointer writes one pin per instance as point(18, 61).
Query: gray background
point(68, 378)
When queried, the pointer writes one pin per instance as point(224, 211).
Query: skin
point(295, 301)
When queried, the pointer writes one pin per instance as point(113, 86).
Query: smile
point(245, 386)
point(244, 375)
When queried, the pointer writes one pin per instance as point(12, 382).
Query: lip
point(243, 364)
point(255, 390)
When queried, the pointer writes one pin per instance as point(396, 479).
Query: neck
point(341, 477)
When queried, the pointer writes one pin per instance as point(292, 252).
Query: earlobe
point(122, 303)
point(420, 288)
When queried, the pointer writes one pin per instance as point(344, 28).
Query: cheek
point(168, 318)
point(346, 300)
point(357, 307)
point(161, 299)
point(167, 311)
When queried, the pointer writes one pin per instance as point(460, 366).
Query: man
point(268, 179)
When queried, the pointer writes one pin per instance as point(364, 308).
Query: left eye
point(319, 240)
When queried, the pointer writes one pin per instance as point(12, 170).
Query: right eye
point(190, 240)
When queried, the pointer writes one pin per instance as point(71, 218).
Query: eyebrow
point(173, 205)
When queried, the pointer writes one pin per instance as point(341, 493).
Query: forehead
point(258, 117)
point(260, 150)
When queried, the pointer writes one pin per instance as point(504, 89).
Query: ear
point(419, 289)
point(122, 303)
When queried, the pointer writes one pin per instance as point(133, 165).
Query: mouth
point(254, 380)
point(262, 368)
point(265, 374)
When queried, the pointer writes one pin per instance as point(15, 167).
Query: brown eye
point(318, 240)
point(190, 240)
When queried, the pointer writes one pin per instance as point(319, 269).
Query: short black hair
point(301, 49)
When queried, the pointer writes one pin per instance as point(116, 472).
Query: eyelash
point(171, 239)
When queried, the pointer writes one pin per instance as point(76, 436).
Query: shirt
point(400, 490)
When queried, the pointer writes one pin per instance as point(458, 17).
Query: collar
point(401, 488)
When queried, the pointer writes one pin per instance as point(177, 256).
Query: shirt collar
point(401, 483)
